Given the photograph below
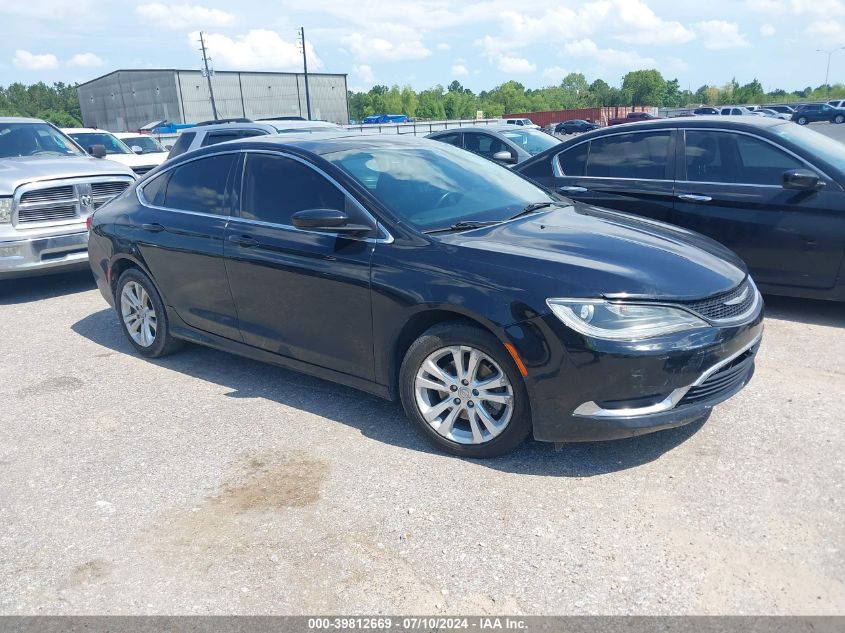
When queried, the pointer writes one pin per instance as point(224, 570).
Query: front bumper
point(585, 390)
point(39, 255)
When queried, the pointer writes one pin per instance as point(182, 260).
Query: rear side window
point(643, 156)
point(155, 189)
point(182, 144)
point(451, 139)
point(276, 187)
point(200, 185)
point(213, 138)
point(573, 161)
point(484, 144)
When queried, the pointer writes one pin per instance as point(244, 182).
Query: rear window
point(643, 155)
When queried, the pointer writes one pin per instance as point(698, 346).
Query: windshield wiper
point(463, 226)
point(531, 208)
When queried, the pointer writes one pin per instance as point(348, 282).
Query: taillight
point(88, 223)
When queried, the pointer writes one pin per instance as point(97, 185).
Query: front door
point(301, 294)
point(733, 192)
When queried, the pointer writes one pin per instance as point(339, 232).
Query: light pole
point(827, 72)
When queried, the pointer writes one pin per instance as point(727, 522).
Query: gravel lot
point(206, 483)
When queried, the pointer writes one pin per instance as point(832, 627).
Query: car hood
point(24, 169)
point(137, 160)
point(589, 251)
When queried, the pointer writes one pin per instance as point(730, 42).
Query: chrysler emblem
point(738, 299)
point(86, 200)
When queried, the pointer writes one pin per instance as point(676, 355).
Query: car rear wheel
point(142, 315)
point(462, 389)
point(839, 118)
point(802, 120)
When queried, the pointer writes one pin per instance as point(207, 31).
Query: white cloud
point(31, 61)
point(259, 49)
point(183, 16)
point(555, 73)
point(768, 30)
point(85, 60)
point(607, 56)
point(508, 64)
point(443, 46)
point(459, 70)
point(826, 33)
point(394, 44)
point(364, 73)
point(718, 34)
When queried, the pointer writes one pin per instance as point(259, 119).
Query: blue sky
point(481, 43)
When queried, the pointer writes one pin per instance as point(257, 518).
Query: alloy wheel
point(138, 313)
point(464, 395)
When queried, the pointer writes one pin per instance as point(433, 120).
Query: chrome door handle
point(243, 240)
point(572, 189)
point(694, 197)
point(153, 227)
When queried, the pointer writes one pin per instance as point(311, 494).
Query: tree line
point(639, 88)
point(59, 103)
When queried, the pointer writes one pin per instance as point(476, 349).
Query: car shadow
point(379, 419)
point(31, 289)
point(810, 311)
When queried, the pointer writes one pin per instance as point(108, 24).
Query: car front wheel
point(464, 392)
point(142, 315)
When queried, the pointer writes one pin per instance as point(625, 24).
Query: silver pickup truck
point(48, 188)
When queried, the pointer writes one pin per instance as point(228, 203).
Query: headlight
point(5, 210)
point(622, 321)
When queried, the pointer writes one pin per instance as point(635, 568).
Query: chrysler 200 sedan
point(414, 270)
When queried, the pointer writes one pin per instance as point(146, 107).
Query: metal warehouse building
point(125, 100)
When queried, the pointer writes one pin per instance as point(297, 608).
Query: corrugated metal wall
point(126, 100)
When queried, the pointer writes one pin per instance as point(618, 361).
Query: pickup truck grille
point(70, 201)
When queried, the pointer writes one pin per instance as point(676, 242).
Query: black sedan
point(771, 191)
point(414, 270)
point(575, 126)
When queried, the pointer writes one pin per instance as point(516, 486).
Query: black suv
point(813, 112)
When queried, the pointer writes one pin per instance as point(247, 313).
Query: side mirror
point(801, 179)
point(332, 220)
point(97, 151)
point(137, 149)
point(504, 157)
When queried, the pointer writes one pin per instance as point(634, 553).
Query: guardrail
point(419, 128)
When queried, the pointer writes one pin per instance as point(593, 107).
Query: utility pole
point(207, 74)
point(305, 67)
point(827, 72)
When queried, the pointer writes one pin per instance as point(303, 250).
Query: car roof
point(20, 119)
point(705, 120)
point(76, 130)
point(240, 125)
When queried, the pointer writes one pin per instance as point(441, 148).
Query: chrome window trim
point(752, 135)
point(139, 192)
point(558, 172)
point(592, 409)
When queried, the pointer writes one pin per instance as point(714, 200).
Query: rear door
point(629, 172)
point(730, 188)
point(302, 294)
point(179, 231)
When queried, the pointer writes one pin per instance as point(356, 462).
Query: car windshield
point(531, 140)
point(826, 148)
point(32, 139)
point(437, 186)
point(147, 143)
point(112, 144)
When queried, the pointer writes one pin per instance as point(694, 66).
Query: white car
point(144, 145)
point(104, 144)
point(521, 122)
point(773, 114)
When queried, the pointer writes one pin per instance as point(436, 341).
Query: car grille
point(54, 204)
point(724, 382)
point(727, 305)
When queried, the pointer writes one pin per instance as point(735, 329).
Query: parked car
point(575, 126)
point(705, 110)
point(414, 270)
point(143, 145)
point(735, 111)
point(520, 123)
point(632, 117)
point(813, 112)
point(773, 113)
point(213, 132)
point(771, 191)
point(115, 149)
point(48, 187)
point(502, 144)
point(783, 109)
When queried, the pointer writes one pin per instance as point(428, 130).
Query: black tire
point(802, 120)
point(839, 118)
point(455, 333)
point(163, 343)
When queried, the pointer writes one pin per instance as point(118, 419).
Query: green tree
point(644, 87)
